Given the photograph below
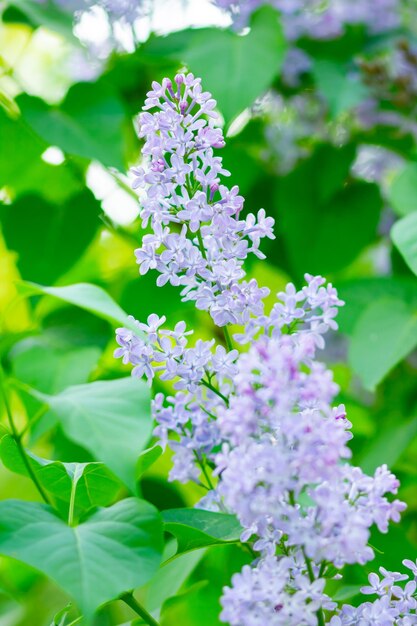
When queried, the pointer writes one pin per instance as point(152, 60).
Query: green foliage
point(62, 232)
point(82, 429)
point(85, 560)
point(109, 418)
point(404, 236)
point(95, 484)
point(195, 528)
point(403, 190)
point(248, 63)
point(341, 90)
point(88, 123)
point(384, 334)
point(88, 297)
point(49, 15)
point(326, 221)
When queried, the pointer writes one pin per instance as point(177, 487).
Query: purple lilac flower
point(395, 605)
point(274, 593)
point(264, 420)
point(181, 182)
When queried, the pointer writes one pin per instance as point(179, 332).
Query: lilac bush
point(253, 421)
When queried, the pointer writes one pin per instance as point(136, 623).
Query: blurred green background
point(332, 158)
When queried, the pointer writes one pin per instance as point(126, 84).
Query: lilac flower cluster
point(317, 19)
point(281, 424)
point(396, 603)
point(277, 593)
point(181, 182)
point(304, 509)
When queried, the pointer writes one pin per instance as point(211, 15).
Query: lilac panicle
point(258, 428)
point(181, 180)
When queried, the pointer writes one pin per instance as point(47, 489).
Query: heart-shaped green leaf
point(113, 551)
point(196, 528)
point(111, 419)
point(96, 485)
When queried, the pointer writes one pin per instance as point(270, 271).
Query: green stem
point(72, 503)
point(131, 601)
point(227, 338)
point(18, 440)
point(204, 470)
point(76, 621)
point(319, 613)
point(201, 244)
point(312, 578)
point(215, 390)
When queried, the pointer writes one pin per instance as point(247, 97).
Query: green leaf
point(111, 419)
point(113, 551)
point(56, 183)
point(325, 222)
point(389, 446)
point(61, 232)
point(196, 528)
point(358, 293)
point(384, 334)
point(248, 63)
point(25, 148)
point(147, 458)
point(346, 592)
point(404, 236)
point(89, 122)
point(60, 617)
point(341, 90)
point(49, 15)
point(169, 579)
point(51, 368)
point(200, 603)
point(402, 193)
point(96, 485)
point(86, 296)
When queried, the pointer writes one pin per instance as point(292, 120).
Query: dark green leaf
point(114, 550)
point(326, 224)
point(48, 238)
point(196, 528)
